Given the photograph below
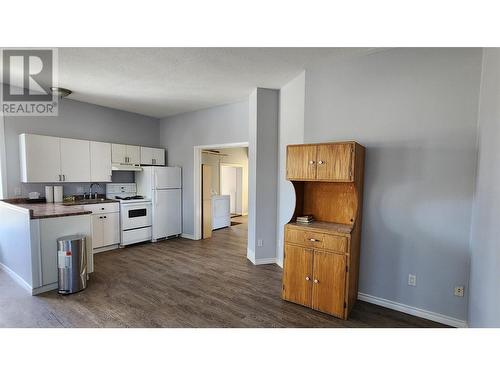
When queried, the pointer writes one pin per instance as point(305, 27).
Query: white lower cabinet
point(105, 226)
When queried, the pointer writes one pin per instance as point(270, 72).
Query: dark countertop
point(47, 210)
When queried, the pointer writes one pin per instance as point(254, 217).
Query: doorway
point(221, 188)
point(231, 184)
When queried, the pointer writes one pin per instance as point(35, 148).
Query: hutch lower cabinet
point(321, 259)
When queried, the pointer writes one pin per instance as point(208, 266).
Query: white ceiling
point(161, 82)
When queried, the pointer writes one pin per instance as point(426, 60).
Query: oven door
point(135, 215)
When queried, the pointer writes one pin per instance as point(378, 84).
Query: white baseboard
point(279, 262)
point(264, 261)
point(45, 288)
point(104, 248)
point(436, 317)
point(188, 236)
point(258, 262)
point(18, 279)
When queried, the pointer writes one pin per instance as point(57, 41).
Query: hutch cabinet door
point(301, 162)
point(329, 282)
point(297, 275)
point(334, 162)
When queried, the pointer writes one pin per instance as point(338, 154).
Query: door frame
point(197, 180)
point(235, 165)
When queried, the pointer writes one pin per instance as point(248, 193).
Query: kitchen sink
point(88, 201)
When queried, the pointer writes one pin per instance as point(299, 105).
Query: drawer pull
point(321, 162)
point(314, 240)
point(308, 278)
point(316, 281)
point(311, 162)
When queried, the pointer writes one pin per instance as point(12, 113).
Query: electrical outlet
point(17, 191)
point(260, 243)
point(412, 280)
point(459, 291)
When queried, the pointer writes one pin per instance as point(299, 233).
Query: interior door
point(206, 198)
point(329, 282)
point(75, 160)
point(301, 162)
point(167, 178)
point(334, 162)
point(100, 162)
point(297, 274)
point(110, 228)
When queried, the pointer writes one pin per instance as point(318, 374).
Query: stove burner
point(129, 198)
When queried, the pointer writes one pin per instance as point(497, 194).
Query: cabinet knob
point(316, 281)
point(308, 278)
point(321, 162)
point(314, 240)
point(311, 162)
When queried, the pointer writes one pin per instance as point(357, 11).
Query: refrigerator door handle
point(156, 198)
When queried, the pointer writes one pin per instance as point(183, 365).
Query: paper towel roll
point(58, 194)
point(49, 194)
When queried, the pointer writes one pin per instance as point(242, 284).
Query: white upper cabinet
point(40, 158)
point(125, 154)
point(75, 160)
point(100, 162)
point(134, 154)
point(152, 156)
point(54, 159)
point(118, 153)
point(159, 156)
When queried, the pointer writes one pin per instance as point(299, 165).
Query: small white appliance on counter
point(163, 185)
point(135, 213)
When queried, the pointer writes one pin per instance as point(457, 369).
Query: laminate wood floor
point(181, 283)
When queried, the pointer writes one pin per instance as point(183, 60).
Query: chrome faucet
point(90, 191)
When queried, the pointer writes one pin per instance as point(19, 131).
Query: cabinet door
point(301, 162)
point(118, 153)
point(97, 231)
point(134, 154)
point(328, 290)
point(40, 158)
point(75, 160)
point(110, 229)
point(100, 162)
point(158, 156)
point(297, 274)
point(146, 155)
point(334, 162)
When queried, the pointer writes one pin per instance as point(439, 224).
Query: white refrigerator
point(163, 185)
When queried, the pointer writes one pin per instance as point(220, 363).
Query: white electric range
point(135, 213)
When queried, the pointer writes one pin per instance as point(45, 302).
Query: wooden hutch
point(321, 259)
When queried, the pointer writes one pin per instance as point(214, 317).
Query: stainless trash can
point(71, 264)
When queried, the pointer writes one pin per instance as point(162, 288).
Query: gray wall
point(180, 133)
point(415, 110)
point(263, 171)
point(82, 121)
point(484, 298)
point(291, 130)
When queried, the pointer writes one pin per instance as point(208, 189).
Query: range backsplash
point(78, 188)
